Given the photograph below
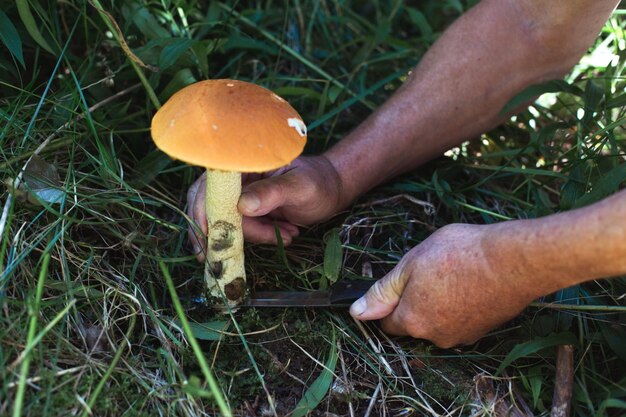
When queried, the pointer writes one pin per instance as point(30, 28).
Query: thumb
point(382, 298)
point(263, 196)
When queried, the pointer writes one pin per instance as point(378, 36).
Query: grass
point(108, 210)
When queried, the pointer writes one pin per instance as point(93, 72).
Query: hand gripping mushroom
point(228, 127)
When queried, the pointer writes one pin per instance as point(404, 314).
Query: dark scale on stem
point(216, 269)
point(221, 235)
point(235, 289)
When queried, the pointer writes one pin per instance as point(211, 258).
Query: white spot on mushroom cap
point(230, 85)
point(298, 125)
point(172, 122)
point(214, 127)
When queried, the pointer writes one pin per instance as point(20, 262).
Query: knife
point(341, 294)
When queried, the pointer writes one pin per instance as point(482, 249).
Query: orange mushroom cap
point(229, 125)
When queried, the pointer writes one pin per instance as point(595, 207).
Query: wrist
point(563, 249)
point(528, 253)
point(340, 174)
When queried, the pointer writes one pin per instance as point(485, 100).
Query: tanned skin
point(463, 280)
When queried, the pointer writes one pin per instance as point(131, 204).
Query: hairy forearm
point(564, 249)
point(459, 88)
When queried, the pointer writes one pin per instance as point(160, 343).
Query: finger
point(262, 230)
point(393, 324)
point(263, 196)
point(382, 298)
point(248, 177)
point(407, 319)
point(197, 212)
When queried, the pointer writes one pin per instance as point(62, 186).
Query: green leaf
point(603, 186)
point(194, 388)
point(546, 134)
point(574, 187)
point(145, 21)
point(615, 336)
point(456, 5)
point(619, 101)
point(535, 379)
point(170, 54)
point(10, 37)
point(23, 8)
point(333, 93)
point(383, 29)
point(333, 255)
point(150, 166)
point(530, 93)
point(318, 389)
point(210, 330)
point(593, 96)
point(419, 20)
point(443, 189)
point(181, 79)
point(534, 346)
point(610, 403)
point(202, 49)
point(240, 42)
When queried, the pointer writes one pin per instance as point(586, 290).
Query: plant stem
point(117, 35)
point(225, 272)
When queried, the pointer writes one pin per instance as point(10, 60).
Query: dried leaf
point(41, 182)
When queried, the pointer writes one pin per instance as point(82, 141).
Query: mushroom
point(228, 127)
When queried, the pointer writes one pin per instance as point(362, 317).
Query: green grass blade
point(318, 389)
point(10, 37)
point(528, 348)
point(611, 403)
point(333, 255)
point(32, 27)
point(202, 362)
point(32, 329)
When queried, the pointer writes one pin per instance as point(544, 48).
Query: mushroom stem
point(225, 273)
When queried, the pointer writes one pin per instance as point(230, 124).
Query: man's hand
point(464, 280)
point(451, 289)
point(304, 192)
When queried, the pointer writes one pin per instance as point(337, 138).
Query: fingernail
point(249, 202)
point(196, 249)
point(358, 307)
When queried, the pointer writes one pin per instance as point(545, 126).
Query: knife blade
point(341, 294)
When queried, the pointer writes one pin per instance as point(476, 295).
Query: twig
point(345, 378)
point(429, 208)
point(35, 379)
point(424, 404)
point(564, 381)
point(120, 39)
point(577, 307)
point(375, 348)
point(495, 402)
point(283, 368)
point(370, 406)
